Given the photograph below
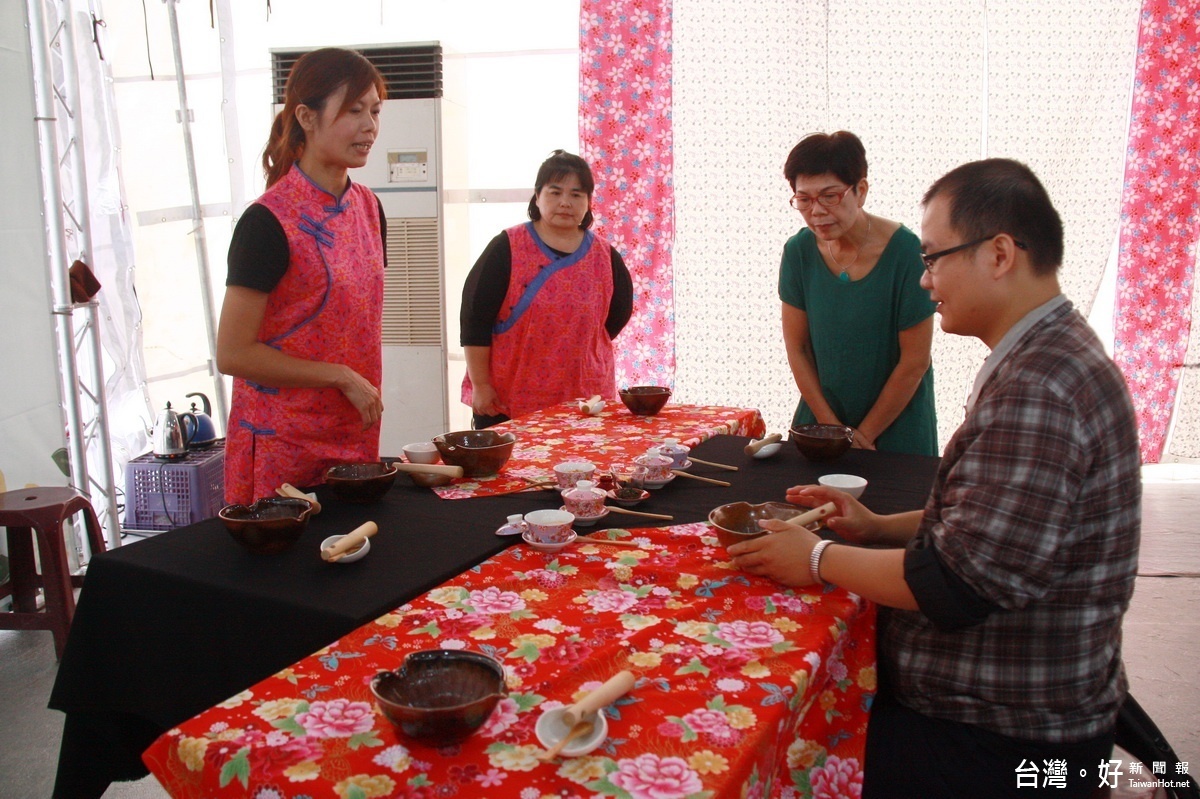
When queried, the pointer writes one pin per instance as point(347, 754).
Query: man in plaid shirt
point(1000, 626)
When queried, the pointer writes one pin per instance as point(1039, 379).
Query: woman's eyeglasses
point(802, 202)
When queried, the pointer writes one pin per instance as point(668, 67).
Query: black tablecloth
point(171, 625)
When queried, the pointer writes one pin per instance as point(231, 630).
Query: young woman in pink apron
point(300, 325)
point(543, 303)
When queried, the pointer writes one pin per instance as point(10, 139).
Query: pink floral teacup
point(569, 473)
point(549, 526)
point(658, 468)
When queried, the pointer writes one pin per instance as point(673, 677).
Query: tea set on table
point(273, 524)
point(578, 729)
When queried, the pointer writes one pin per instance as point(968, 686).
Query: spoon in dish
point(580, 729)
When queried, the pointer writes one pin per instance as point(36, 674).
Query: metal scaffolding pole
point(87, 426)
point(197, 217)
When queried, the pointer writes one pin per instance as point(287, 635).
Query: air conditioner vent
point(412, 291)
point(409, 71)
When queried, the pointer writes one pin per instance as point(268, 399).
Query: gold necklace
point(844, 275)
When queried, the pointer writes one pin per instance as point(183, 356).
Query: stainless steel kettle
point(170, 439)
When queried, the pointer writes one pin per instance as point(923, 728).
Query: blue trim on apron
point(557, 264)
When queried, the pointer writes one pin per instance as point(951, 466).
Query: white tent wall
point(31, 419)
point(927, 85)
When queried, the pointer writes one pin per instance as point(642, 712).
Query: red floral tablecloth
point(565, 433)
point(743, 688)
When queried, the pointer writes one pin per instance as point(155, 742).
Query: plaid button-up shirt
point(1037, 511)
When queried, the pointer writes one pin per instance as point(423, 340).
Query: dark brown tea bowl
point(822, 442)
point(645, 400)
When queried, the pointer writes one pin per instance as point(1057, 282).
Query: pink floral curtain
point(1160, 215)
point(625, 134)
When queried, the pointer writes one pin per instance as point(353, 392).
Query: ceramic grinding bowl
point(269, 526)
point(480, 453)
point(738, 521)
point(440, 695)
point(361, 483)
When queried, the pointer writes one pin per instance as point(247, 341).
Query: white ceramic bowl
point(422, 452)
point(852, 484)
point(349, 557)
point(550, 729)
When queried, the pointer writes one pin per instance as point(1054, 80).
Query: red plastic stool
point(43, 510)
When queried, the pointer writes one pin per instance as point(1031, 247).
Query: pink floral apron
point(327, 307)
point(549, 344)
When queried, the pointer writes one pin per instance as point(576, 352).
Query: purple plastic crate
point(163, 495)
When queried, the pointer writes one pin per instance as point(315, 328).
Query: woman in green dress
point(857, 325)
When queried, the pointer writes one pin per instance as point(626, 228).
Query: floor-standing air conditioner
point(419, 152)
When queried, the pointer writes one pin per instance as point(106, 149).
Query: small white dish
point(587, 521)
point(351, 556)
point(768, 450)
point(550, 729)
point(852, 484)
point(558, 546)
point(659, 483)
point(422, 452)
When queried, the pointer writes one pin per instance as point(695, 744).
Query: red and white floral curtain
point(1160, 215)
point(625, 134)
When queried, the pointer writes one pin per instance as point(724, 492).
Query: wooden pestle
point(755, 446)
point(810, 516)
point(289, 490)
point(429, 468)
point(617, 686)
point(349, 541)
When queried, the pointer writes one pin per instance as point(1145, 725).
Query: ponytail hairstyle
point(313, 79)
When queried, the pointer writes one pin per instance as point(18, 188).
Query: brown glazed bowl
point(645, 400)
point(440, 695)
point(738, 521)
point(822, 442)
point(361, 483)
point(269, 526)
point(480, 453)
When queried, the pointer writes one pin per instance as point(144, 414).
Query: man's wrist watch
point(814, 560)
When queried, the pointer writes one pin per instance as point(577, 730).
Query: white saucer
point(587, 521)
point(349, 557)
point(687, 464)
point(550, 729)
point(660, 483)
point(557, 547)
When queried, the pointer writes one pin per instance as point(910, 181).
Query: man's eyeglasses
point(930, 258)
point(802, 202)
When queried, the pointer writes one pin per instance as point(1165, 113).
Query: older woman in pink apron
point(543, 303)
point(300, 325)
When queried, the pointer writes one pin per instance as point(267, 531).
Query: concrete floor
point(1162, 648)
